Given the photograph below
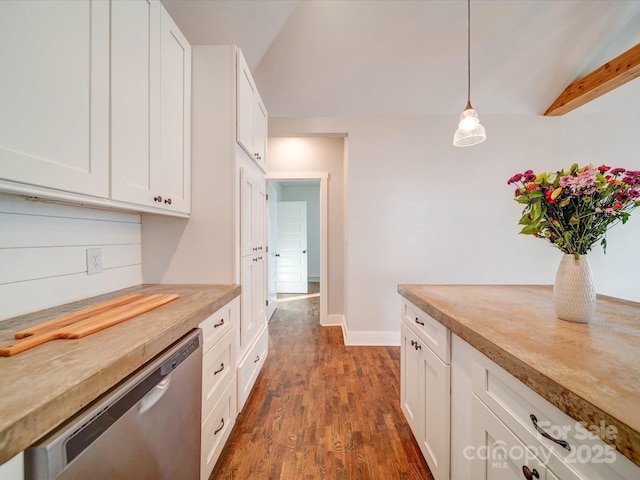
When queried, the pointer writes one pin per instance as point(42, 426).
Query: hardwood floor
point(321, 410)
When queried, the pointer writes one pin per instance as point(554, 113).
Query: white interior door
point(291, 266)
point(272, 291)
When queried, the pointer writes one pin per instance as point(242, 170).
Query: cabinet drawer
point(496, 452)
point(435, 335)
point(216, 430)
point(218, 324)
point(581, 455)
point(251, 365)
point(218, 368)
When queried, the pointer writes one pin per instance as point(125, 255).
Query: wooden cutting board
point(86, 321)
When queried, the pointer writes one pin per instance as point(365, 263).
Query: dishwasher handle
point(150, 399)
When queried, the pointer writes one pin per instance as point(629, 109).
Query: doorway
point(305, 186)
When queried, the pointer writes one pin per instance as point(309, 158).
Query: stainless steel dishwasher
point(147, 427)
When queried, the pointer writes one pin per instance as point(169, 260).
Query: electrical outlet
point(94, 260)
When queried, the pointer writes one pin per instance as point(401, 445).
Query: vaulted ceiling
point(409, 57)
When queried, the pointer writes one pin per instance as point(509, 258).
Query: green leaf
point(574, 220)
point(529, 230)
point(564, 202)
point(525, 220)
point(522, 199)
point(535, 194)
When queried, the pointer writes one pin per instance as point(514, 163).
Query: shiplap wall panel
point(43, 253)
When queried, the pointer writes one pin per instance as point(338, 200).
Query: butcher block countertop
point(42, 387)
point(589, 371)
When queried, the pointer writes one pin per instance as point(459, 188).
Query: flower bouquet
point(573, 209)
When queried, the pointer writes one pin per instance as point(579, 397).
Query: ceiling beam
point(609, 76)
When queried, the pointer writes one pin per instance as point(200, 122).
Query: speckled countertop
point(42, 387)
point(589, 371)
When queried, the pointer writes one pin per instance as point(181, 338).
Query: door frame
point(323, 177)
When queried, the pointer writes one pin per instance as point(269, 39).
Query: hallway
point(320, 410)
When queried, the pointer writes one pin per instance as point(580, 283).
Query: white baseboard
point(371, 339)
point(368, 339)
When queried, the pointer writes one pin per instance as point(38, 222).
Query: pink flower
point(617, 171)
point(609, 211)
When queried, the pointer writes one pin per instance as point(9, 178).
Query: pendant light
point(470, 131)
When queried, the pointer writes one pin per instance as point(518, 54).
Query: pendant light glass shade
point(470, 131)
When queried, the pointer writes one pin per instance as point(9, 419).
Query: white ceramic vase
point(574, 293)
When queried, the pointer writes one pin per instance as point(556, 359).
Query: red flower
point(604, 168)
point(531, 187)
point(547, 195)
point(617, 205)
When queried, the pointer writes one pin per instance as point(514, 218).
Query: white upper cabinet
point(251, 116)
point(175, 116)
point(54, 92)
point(135, 99)
point(150, 107)
point(96, 104)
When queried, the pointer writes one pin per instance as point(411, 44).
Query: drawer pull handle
point(220, 428)
point(562, 443)
point(529, 474)
point(419, 322)
point(413, 343)
point(220, 369)
point(219, 324)
point(257, 359)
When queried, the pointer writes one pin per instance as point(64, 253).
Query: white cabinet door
point(248, 328)
point(260, 131)
point(497, 453)
point(244, 106)
point(410, 393)
point(425, 396)
point(150, 107)
point(247, 212)
point(259, 218)
point(54, 92)
point(259, 291)
point(436, 425)
point(135, 101)
point(251, 115)
point(175, 117)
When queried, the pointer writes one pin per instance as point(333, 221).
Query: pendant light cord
point(469, 53)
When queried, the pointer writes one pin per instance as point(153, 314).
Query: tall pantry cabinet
point(224, 241)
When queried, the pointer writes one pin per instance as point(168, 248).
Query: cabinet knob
point(157, 199)
point(219, 324)
point(419, 322)
point(259, 248)
point(257, 359)
point(530, 474)
point(255, 249)
point(277, 254)
point(220, 369)
point(168, 201)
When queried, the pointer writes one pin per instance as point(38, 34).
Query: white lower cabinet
point(219, 404)
point(250, 366)
point(567, 448)
point(473, 419)
point(425, 396)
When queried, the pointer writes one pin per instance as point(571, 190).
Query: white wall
point(43, 253)
point(319, 154)
point(292, 192)
point(423, 211)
